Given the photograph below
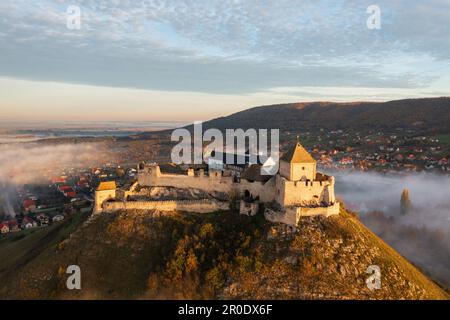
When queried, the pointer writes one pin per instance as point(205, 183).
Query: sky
point(182, 60)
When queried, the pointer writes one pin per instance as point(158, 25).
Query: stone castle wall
point(291, 216)
point(215, 181)
point(297, 171)
point(304, 193)
point(265, 191)
point(280, 189)
point(200, 206)
point(296, 198)
point(102, 196)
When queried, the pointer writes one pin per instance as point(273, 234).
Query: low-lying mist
point(29, 163)
point(36, 163)
point(423, 234)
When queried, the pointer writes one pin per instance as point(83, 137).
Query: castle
point(296, 190)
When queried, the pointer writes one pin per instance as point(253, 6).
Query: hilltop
point(416, 114)
point(149, 254)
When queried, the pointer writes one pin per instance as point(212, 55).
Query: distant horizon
point(88, 125)
point(92, 123)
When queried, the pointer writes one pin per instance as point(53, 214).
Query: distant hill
point(146, 255)
point(429, 114)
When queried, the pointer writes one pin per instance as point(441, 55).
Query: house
point(67, 191)
point(58, 217)
point(13, 226)
point(28, 223)
point(346, 160)
point(83, 182)
point(42, 219)
point(58, 180)
point(26, 226)
point(4, 228)
point(443, 162)
point(324, 159)
point(29, 204)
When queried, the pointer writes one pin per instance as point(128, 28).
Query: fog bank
point(36, 163)
point(29, 163)
point(422, 235)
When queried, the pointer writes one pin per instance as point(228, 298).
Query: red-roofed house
point(83, 182)
point(28, 223)
point(443, 162)
point(68, 191)
point(29, 204)
point(4, 228)
point(346, 160)
point(56, 180)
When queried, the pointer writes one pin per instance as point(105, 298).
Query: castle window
point(303, 168)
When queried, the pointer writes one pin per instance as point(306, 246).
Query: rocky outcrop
point(329, 258)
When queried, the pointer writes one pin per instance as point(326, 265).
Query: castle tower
point(297, 164)
point(148, 174)
point(106, 190)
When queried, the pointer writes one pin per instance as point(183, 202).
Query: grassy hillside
point(17, 250)
point(146, 255)
point(418, 114)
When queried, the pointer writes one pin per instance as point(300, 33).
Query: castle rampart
point(298, 189)
point(200, 206)
point(291, 215)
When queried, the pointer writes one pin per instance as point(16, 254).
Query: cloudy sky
point(192, 60)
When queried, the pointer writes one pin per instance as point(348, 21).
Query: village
point(63, 194)
point(388, 152)
point(395, 151)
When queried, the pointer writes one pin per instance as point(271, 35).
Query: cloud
point(225, 46)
